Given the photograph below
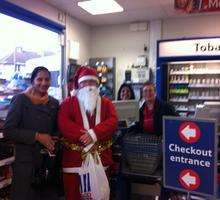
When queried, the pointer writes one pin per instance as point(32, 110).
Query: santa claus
point(86, 121)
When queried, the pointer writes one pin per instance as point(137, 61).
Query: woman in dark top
point(126, 92)
point(151, 120)
point(153, 110)
point(31, 125)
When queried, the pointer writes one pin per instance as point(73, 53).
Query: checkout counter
point(210, 110)
point(128, 113)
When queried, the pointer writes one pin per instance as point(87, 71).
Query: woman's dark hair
point(129, 87)
point(37, 70)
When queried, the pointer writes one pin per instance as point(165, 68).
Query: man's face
point(88, 94)
point(149, 93)
point(87, 83)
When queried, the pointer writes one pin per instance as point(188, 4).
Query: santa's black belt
point(98, 146)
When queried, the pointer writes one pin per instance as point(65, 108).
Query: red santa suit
point(71, 121)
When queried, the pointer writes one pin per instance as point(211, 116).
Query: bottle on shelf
point(212, 81)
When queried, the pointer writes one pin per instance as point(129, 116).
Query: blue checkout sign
point(190, 155)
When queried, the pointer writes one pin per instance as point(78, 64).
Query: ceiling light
point(98, 7)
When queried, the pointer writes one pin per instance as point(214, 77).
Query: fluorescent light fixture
point(98, 7)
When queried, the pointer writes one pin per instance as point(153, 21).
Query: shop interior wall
point(118, 41)
point(194, 26)
point(81, 33)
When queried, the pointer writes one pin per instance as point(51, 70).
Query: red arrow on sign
point(189, 132)
point(189, 179)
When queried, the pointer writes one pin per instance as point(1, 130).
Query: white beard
point(88, 96)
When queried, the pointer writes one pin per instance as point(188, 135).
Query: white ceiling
point(134, 11)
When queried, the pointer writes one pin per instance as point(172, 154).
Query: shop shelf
point(190, 110)
point(191, 116)
point(5, 183)
point(183, 114)
point(179, 82)
point(179, 73)
point(194, 197)
point(182, 110)
point(196, 72)
point(205, 72)
point(205, 98)
point(203, 86)
point(180, 101)
point(7, 161)
point(3, 111)
point(180, 93)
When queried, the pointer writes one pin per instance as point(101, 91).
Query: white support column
point(155, 34)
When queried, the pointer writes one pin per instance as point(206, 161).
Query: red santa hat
point(84, 73)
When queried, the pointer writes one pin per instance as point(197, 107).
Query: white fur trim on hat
point(88, 77)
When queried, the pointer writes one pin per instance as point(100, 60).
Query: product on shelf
point(103, 79)
point(106, 71)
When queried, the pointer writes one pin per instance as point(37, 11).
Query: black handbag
point(50, 170)
point(39, 178)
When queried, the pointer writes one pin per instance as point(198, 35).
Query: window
point(25, 46)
